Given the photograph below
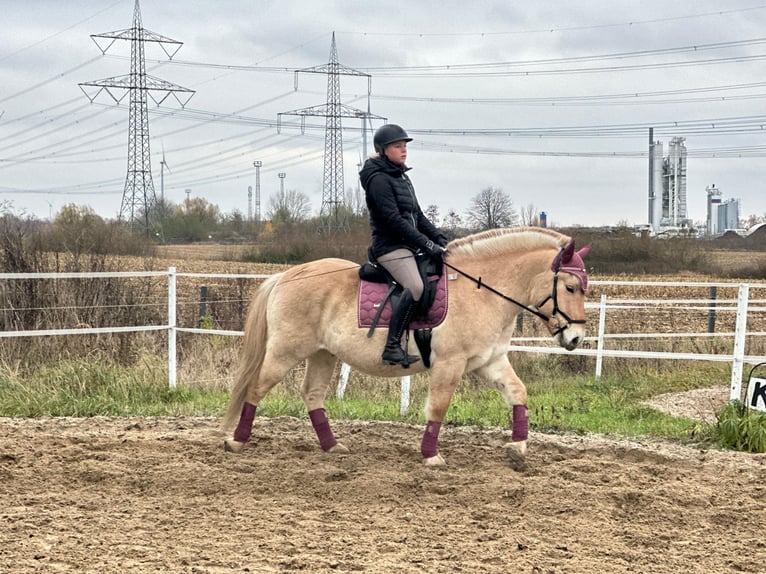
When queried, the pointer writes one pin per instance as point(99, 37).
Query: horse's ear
point(584, 251)
point(566, 256)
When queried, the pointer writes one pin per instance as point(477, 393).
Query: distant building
point(667, 190)
point(721, 214)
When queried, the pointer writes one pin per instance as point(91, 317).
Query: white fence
point(743, 308)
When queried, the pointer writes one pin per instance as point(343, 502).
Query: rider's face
point(397, 152)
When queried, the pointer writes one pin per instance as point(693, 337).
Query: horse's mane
point(500, 241)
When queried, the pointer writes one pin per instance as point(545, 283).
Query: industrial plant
point(667, 206)
point(667, 188)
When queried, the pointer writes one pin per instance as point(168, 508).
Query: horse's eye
point(570, 289)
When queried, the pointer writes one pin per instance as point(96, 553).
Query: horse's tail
point(252, 352)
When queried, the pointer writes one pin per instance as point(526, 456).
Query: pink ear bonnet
point(571, 261)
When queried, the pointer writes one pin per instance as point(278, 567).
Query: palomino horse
point(309, 313)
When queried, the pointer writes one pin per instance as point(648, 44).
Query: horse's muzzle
point(570, 338)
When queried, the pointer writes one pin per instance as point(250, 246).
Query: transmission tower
point(138, 198)
point(332, 217)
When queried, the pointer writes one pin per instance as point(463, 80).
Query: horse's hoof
point(231, 445)
point(338, 448)
point(516, 453)
point(435, 461)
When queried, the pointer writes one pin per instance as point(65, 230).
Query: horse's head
point(565, 306)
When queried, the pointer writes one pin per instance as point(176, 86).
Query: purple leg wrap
point(429, 445)
point(245, 426)
point(322, 427)
point(520, 423)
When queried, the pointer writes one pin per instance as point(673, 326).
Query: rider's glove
point(433, 249)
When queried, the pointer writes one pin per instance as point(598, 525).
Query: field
point(135, 495)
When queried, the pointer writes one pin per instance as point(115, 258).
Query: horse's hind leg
point(272, 371)
point(319, 370)
point(514, 393)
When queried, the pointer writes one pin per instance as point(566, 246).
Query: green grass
point(79, 388)
point(561, 403)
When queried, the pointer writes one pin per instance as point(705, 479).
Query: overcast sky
point(571, 89)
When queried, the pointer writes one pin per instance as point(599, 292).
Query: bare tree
point(752, 220)
point(529, 215)
point(288, 206)
point(432, 213)
point(355, 201)
point(452, 220)
point(492, 208)
point(200, 209)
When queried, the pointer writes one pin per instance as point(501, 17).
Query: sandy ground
point(700, 404)
point(125, 495)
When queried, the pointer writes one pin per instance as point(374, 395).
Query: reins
point(536, 309)
point(480, 284)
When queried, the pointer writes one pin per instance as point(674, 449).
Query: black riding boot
point(401, 314)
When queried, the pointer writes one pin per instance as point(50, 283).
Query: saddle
point(378, 290)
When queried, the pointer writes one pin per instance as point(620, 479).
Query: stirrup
point(392, 357)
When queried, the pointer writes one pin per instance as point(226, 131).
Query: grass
point(566, 403)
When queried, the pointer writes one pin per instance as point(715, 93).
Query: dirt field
point(128, 495)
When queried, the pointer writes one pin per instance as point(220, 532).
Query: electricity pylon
point(333, 218)
point(138, 198)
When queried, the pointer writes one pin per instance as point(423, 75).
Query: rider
point(399, 230)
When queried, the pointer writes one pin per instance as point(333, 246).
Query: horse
point(308, 312)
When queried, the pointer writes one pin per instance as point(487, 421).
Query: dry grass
point(203, 252)
point(732, 260)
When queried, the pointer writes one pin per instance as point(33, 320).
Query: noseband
point(536, 309)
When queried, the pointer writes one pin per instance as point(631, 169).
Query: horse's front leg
point(445, 377)
point(501, 373)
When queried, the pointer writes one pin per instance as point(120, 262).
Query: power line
point(549, 30)
point(694, 49)
point(490, 68)
point(627, 98)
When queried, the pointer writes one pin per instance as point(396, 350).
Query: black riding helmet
point(389, 134)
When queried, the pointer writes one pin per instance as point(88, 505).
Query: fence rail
point(744, 307)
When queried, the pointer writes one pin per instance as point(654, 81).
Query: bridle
point(535, 310)
point(556, 309)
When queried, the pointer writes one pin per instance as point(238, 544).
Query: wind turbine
point(163, 166)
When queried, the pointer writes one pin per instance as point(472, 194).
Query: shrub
point(741, 428)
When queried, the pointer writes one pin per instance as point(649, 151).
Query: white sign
point(755, 397)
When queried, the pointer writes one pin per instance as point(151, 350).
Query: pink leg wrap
point(520, 423)
point(429, 445)
point(322, 427)
point(245, 426)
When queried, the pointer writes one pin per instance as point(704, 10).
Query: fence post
point(404, 393)
point(172, 359)
point(202, 304)
point(711, 311)
point(345, 370)
point(404, 402)
point(740, 332)
point(601, 329)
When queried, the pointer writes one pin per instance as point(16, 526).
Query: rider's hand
point(433, 249)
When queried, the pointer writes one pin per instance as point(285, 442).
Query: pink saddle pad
point(372, 294)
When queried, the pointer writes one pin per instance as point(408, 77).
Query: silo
point(655, 201)
point(674, 190)
point(713, 203)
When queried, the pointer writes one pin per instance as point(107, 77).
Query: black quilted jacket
point(396, 219)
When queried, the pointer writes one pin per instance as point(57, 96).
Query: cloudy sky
point(550, 101)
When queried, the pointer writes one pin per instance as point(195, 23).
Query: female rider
point(399, 230)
